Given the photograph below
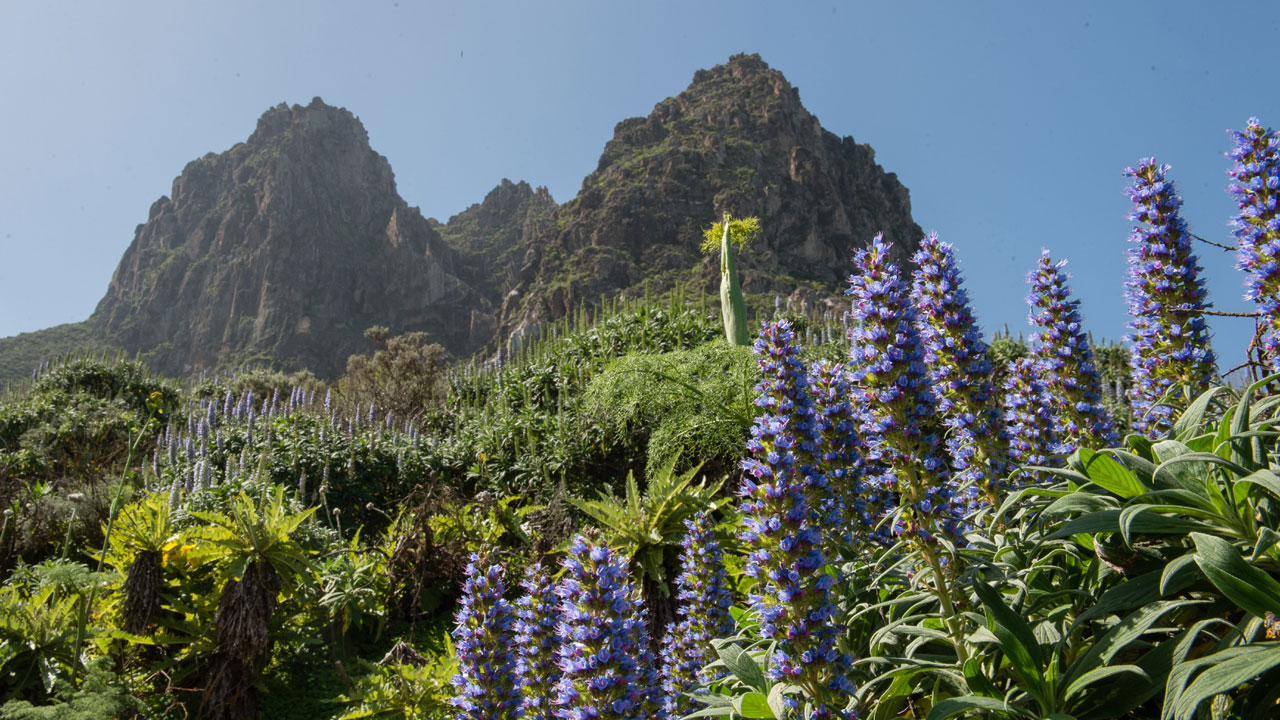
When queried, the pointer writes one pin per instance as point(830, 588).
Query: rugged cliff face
point(490, 236)
point(285, 248)
point(737, 140)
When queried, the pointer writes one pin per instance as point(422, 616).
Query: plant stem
point(942, 586)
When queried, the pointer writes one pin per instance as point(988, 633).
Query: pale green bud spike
point(732, 306)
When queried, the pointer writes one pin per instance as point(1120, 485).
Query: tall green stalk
point(732, 306)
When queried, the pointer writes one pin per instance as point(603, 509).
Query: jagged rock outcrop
point(286, 248)
point(490, 236)
point(737, 140)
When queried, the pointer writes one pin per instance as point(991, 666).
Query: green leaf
point(1080, 502)
point(777, 700)
point(1264, 479)
point(1114, 642)
point(1109, 474)
point(952, 707)
point(1099, 674)
point(1015, 636)
point(1143, 468)
point(742, 665)
point(1193, 417)
point(1224, 676)
point(1242, 583)
point(1178, 573)
point(1109, 521)
point(753, 705)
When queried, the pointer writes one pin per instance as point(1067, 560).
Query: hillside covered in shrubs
point(875, 513)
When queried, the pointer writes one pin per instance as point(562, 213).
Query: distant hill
point(21, 354)
point(283, 249)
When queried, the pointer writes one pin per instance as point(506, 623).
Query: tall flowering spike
point(604, 656)
point(1256, 187)
point(784, 502)
point(537, 616)
point(487, 688)
point(1166, 299)
point(704, 598)
point(1066, 361)
point(893, 387)
point(961, 370)
point(1028, 417)
point(839, 459)
point(784, 397)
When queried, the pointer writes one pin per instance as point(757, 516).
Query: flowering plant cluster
point(1066, 362)
point(1256, 187)
point(786, 503)
point(608, 669)
point(961, 370)
point(839, 459)
point(704, 596)
point(486, 679)
point(537, 618)
point(1166, 299)
point(1027, 415)
point(891, 384)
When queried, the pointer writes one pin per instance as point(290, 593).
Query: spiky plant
point(962, 373)
point(705, 597)
point(729, 235)
point(604, 652)
point(142, 530)
point(261, 560)
point(1167, 300)
point(891, 385)
point(486, 683)
point(1027, 416)
point(645, 528)
point(1256, 187)
point(537, 637)
point(785, 501)
point(1066, 361)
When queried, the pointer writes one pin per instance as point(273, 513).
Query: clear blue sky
point(1011, 123)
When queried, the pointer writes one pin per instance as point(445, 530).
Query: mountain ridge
point(284, 248)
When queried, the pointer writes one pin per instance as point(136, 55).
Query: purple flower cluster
point(608, 668)
point(487, 688)
point(1065, 361)
point(1256, 187)
point(704, 596)
point(839, 458)
point(892, 384)
point(537, 616)
point(961, 371)
point(1027, 416)
point(785, 502)
point(1166, 299)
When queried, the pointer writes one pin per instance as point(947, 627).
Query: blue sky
point(1011, 123)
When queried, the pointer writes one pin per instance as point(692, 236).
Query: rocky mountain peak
point(737, 140)
point(286, 248)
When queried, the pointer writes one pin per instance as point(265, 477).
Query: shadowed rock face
point(286, 247)
point(737, 140)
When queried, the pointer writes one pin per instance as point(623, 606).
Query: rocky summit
point(737, 140)
point(285, 248)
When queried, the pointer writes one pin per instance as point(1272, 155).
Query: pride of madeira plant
point(1167, 299)
point(1256, 187)
point(787, 506)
